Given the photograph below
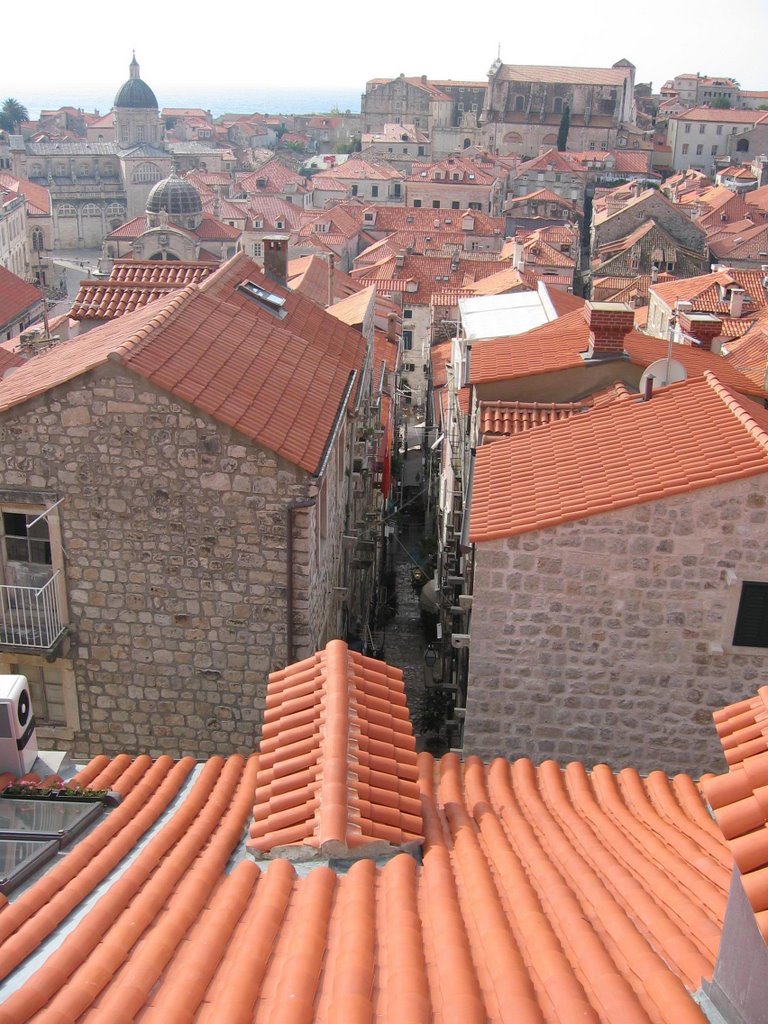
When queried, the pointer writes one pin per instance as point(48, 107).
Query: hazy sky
point(64, 46)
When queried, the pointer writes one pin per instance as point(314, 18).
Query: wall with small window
point(647, 619)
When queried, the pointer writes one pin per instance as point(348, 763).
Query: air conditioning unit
point(18, 739)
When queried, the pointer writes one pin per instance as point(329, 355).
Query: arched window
point(147, 172)
point(467, 143)
point(742, 146)
point(38, 242)
point(91, 210)
point(66, 210)
point(512, 137)
point(549, 140)
point(116, 210)
point(519, 102)
point(557, 105)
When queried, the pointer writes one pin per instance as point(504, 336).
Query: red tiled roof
point(543, 195)
point(704, 293)
point(16, 296)
point(337, 763)
point(406, 218)
point(308, 275)
point(135, 283)
point(728, 116)
point(278, 382)
point(443, 171)
point(357, 169)
point(738, 797)
point(507, 418)
point(428, 273)
point(38, 197)
point(690, 435)
point(595, 896)
point(559, 344)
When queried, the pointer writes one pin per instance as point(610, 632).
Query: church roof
point(135, 94)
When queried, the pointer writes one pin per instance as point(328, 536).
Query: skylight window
point(269, 300)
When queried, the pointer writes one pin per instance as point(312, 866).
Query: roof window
point(269, 300)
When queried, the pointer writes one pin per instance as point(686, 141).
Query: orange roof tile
point(132, 284)
point(337, 764)
point(738, 796)
point(278, 382)
point(591, 896)
point(308, 275)
point(16, 296)
point(690, 435)
point(507, 418)
point(559, 345)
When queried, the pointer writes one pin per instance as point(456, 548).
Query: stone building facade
point(191, 559)
point(524, 106)
point(610, 638)
point(175, 530)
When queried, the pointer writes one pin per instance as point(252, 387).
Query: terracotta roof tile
point(337, 763)
point(16, 296)
point(543, 894)
point(132, 284)
point(690, 435)
point(738, 797)
point(559, 345)
point(503, 419)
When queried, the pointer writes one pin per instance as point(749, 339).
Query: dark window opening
point(752, 619)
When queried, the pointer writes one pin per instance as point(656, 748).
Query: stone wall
point(174, 533)
point(608, 639)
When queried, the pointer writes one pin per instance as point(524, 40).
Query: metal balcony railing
point(30, 617)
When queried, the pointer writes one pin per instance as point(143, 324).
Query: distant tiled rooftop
point(132, 284)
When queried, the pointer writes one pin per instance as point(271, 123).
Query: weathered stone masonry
point(174, 529)
point(598, 640)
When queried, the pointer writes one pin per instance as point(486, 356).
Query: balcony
point(30, 617)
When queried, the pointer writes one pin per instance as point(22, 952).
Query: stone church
point(97, 186)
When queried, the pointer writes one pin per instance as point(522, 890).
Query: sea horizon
point(262, 99)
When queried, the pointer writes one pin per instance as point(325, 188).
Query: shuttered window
point(752, 620)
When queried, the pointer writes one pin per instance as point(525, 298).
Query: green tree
point(721, 103)
point(12, 113)
point(562, 132)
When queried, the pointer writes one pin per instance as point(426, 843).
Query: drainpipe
point(293, 507)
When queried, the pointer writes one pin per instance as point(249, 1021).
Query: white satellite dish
point(10, 372)
point(664, 371)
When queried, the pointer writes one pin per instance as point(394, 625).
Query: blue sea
point(264, 99)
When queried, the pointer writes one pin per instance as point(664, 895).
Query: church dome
point(177, 197)
point(135, 94)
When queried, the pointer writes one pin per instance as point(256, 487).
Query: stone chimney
point(392, 334)
point(331, 269)
point(609, 323)
point(704, 327)
point(276, 257)
point(736, 303)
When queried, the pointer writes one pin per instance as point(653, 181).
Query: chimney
point(704, 327)
point(400, 259)
point(736, 307)
point(392, 327)
point(331, 268)
point(423, 79)
point(276, 257)
point(609, 323)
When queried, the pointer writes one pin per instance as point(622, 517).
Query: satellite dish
point(663, 371)
point(10, 372)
